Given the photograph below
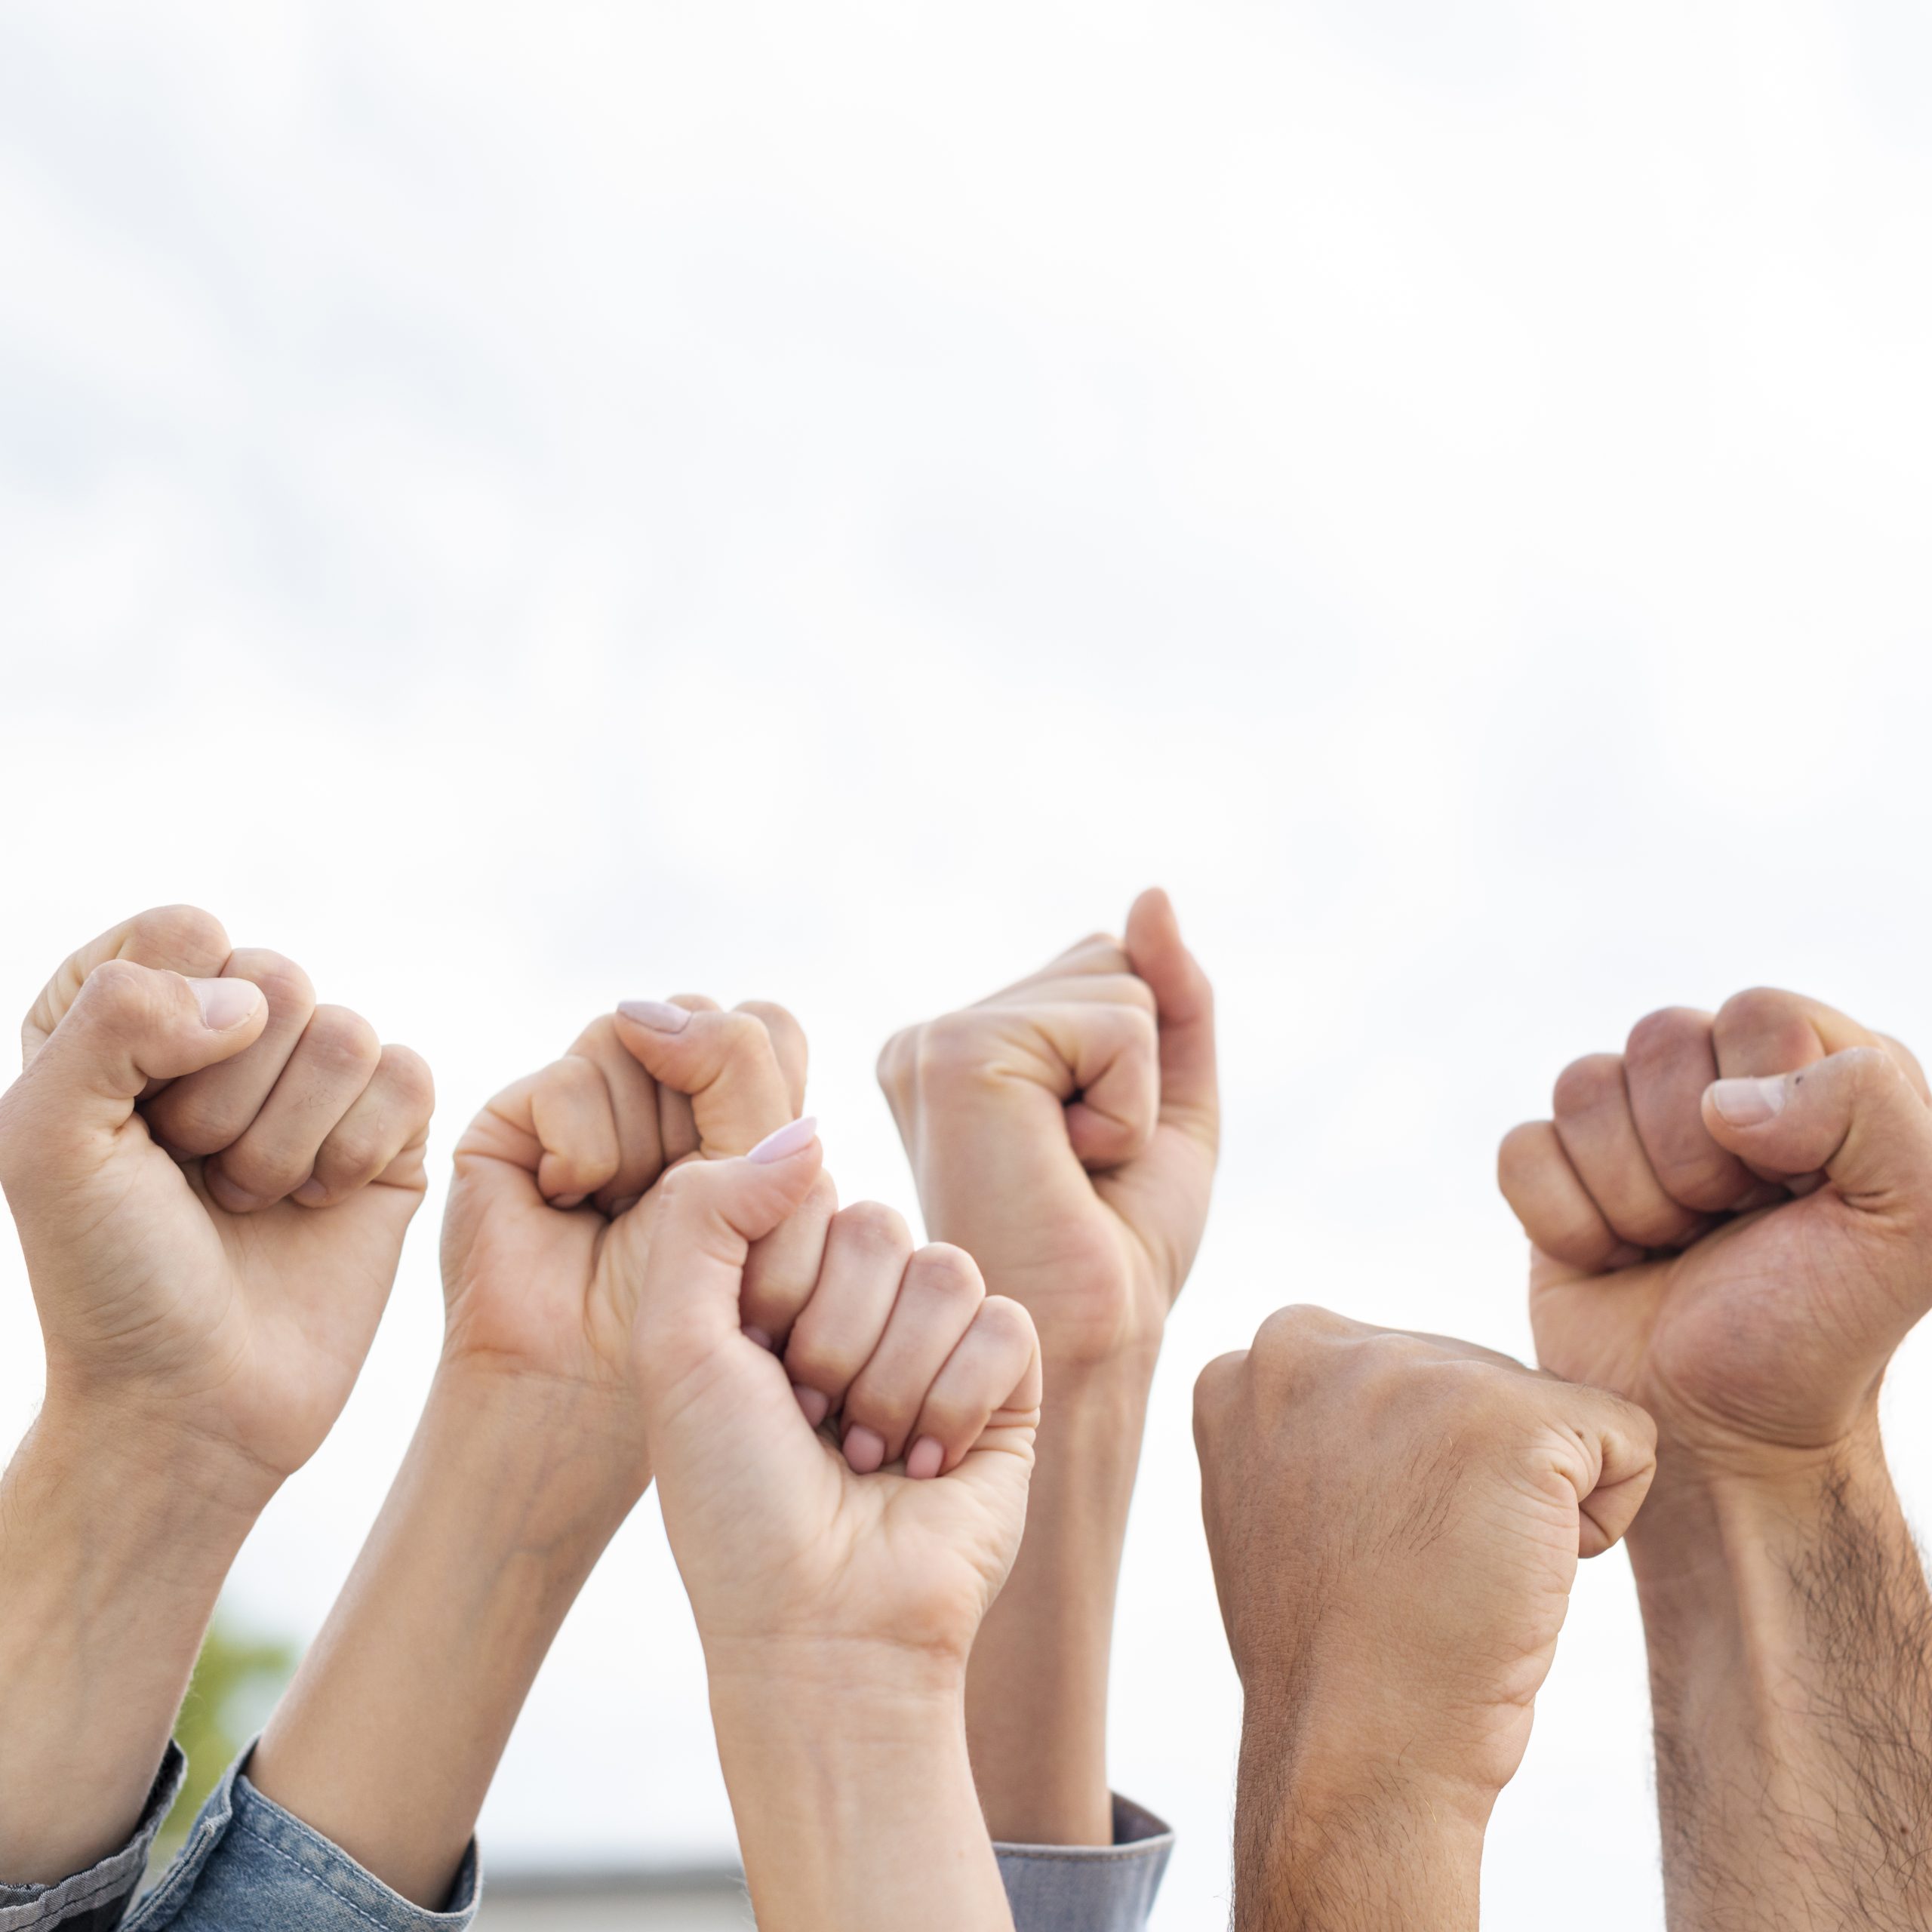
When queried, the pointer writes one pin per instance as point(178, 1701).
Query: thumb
point(1184, 1004)
point(727, 1063)
point(130, 1025)
point(1855, 1115)
point(708, 1214)
point(1626, 1441)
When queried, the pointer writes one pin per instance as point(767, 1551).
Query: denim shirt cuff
point(248, 1864)
point(1089, 1888)
point(94, 1900)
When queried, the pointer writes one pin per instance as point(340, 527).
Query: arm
point(1064, 1132)
point(1790, 1635)
point(842, 1521)
point(211, 1175)
point(1734, 1220)
point(531, 1451)
point(1395, 1522)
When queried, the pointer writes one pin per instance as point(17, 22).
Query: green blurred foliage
point(236, 1684)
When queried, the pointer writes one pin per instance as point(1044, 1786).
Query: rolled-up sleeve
point(1089, 1888)
point(250, 1866)
point(96, 1900)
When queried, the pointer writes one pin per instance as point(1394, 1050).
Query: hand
point(838, 1590)
point(212, 1175)
point(532, 1449)
point(1395, 1520)
point(1064, 1131)
point(783, 1540)
point(557, 1193)
point(1673, 1262)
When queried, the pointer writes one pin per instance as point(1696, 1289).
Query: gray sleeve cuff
point(95, 1899)
point(250, 1866)
point(1089, 1888)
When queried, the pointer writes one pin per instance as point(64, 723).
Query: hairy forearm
point(1036, 1693)
point(1790, 1635)
point(854, 1798)
point(388, 1738)
point(1325, 1848)
point(115, 1540)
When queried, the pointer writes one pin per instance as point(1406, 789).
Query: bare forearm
point(855, 1803)
point(114, 1544)
point(1036, 1693)
point(1324, 1851)
point(388, 1739)
point(1790, 1636)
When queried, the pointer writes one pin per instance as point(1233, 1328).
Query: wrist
point(1731, 1513)
point(576, 1448)
point(1353, 1845)
point(136, 1476)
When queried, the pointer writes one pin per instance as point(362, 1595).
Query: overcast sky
point(523, 506)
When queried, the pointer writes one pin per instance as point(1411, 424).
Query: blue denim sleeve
point(250, 1866)
point(1089, 1888)
point(96, 1900)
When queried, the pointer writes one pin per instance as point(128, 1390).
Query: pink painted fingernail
point(1749, 1103)
point(815, 1402)
point(786, 1142)
point(758, 1335)
point(864, 1449)
point(925, 1459)
point(659, 1015)
point(225, 1003)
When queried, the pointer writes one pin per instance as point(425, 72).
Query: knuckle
point(175, 932)
point(284, 983)
point(741, 1035)
point(1585, 1084)
point(950, 1048)
point(1005, 1319)
point(1661, 1036)
point(1524, 1150)
point(948, 1272)
point(1757, 1010)
point(873, 1228)
point(342, 1040)
point(817, 1359)
point(407, 1074)
point(119, 992)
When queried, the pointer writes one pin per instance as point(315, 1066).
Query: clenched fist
point(1064, 1132)
point(1732, 1222)
point(212, 1175)
point(1395, 1522)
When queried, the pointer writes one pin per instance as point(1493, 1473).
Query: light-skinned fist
point(212, 1175)
point(1064, 1133)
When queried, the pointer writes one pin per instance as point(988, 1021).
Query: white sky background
point(522, 506)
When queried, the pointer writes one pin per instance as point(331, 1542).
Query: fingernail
point(758, 1335)
point(1749, 1103)
point(225, 1003)
point(786, 1141)
point(815, 1402)
point(310, 1193)
point(1624, 1254)
point(624, 1206)
point(864, 1449)
point(568, 1200)
point(925, 1459)
point(658, 1014)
